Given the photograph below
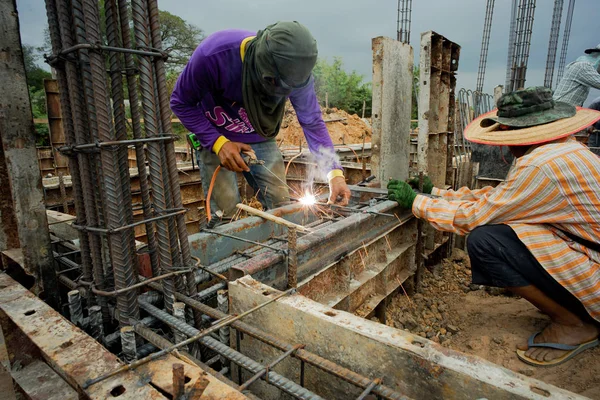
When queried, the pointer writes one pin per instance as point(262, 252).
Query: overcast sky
point(345, 28)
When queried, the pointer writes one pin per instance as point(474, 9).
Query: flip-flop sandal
point(572, 351)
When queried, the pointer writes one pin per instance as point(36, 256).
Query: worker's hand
point(338, 188)
point(401, 192)
point(231, 158)
point(427, 184)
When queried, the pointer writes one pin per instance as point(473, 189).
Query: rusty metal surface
point(66, 348)
point(324, 246)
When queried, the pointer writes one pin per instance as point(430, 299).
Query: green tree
point(35, 73)
point(179, 39)
point(415, 93)
point(343, 90)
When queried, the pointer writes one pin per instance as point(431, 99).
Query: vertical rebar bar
point(565, 44)
point(155, 161)
point(134, 105)
point(75, 308)
point(224, 333)
point(165, 114)
point(69, 130)
point(121, 251)
point(179, 312)
point(128, 344)
point(553, 43)
point(96, 326)
point(116, 83)
point(292, 273)
point(91, 250)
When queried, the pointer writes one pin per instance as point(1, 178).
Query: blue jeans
point(271, 190)
point(594, 139)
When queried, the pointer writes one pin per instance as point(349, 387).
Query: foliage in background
point(415, 94)
point(35, 76)
point(179, 39)
point(343, 90)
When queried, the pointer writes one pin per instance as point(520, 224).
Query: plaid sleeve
point(524, 197)
point(464, 193)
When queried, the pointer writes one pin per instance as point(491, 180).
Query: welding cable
point(348, 147)
point(291, 161)
point(209, 192)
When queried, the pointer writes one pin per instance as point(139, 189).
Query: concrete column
point(392, 98)
point(22, 192)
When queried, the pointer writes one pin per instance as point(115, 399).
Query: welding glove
point(427, 184)
point(401, 192)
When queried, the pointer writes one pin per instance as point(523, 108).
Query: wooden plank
point(40, 382)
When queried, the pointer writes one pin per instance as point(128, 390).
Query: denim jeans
point(225, 195)
point(594, 139)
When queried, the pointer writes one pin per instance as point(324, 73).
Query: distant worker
point(232, 96)
point(580, 75)
point(537, 232)
point(594, 139)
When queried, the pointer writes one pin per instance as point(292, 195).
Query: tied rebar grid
point(404, 21)
point(553, 43)
point(521, 29)
point(565, 43)
point(94, 115)
point(485, 43)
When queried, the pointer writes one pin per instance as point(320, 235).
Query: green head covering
point(529, 107)
point(281, 58)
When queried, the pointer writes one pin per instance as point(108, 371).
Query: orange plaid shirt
point(556, 185)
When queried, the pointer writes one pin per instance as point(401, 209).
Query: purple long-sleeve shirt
point(208, 99)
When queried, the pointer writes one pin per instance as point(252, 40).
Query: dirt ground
point(486, 322)
point(343, 127)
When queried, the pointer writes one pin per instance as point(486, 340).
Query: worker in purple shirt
point(232, 96)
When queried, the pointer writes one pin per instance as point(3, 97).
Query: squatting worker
point(232, 95)
point(580, 75)
point(537, 233)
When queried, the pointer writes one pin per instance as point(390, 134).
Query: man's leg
point(499, 258)
point(225, 194)
point(268, 180)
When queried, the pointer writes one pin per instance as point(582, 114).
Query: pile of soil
point(486, 322)
point(343, 127)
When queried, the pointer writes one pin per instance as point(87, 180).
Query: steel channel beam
point(303, 355)
point(322, 247)
point(273, 378)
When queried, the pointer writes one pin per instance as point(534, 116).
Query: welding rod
point(354, 209)
point(272, 218)
point(228, 320)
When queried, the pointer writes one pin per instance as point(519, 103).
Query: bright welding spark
point(308, 199)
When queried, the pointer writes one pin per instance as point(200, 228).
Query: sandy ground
point(486, 323)
point(350, 129)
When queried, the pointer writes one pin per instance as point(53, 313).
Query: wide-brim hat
point(593, 50)
point(527, 117)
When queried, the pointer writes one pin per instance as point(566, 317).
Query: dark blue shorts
point(499, 258)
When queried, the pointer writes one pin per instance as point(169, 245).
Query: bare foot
point(558, 333)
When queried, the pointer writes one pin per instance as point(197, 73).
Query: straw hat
point(527, 117)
